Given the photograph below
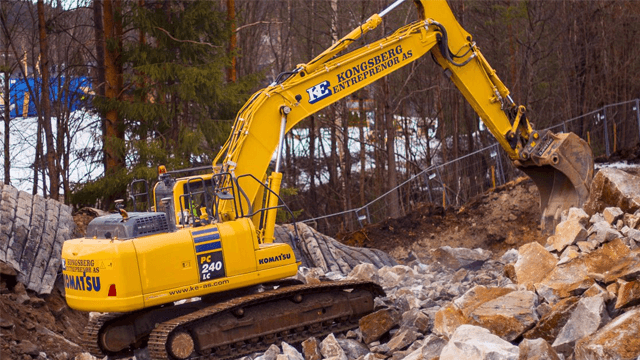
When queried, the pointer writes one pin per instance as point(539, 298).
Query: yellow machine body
point(153, 270)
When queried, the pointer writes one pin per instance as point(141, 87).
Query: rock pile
point(575, 298)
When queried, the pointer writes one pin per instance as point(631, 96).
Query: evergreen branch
point(187, 41)
point(257, 23)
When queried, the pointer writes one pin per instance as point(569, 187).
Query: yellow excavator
point(210, 238)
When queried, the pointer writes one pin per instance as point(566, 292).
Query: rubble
point(577, 300)
point(508, 316)
point(587, 317)
point(534, 261)
point(374, 325)
point(613, 187)
point(567, 233)
point(474, 342)
point(620, 339)
point(537, 349)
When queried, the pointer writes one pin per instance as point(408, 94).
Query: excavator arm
point(561, 165)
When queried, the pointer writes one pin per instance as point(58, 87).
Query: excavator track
point(187, 337)
point(90, 335)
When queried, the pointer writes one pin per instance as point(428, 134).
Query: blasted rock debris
point(559, 302)
point(535, 301)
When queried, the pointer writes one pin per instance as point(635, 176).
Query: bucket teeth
point(561, 166)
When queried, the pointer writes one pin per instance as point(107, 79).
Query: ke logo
point(319, 92)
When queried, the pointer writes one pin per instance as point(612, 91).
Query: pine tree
point(176, 105)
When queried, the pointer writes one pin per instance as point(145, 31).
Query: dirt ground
point(499, 220)
point(40, 325)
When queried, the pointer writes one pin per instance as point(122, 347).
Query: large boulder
point(619, 340)
point(456, 258)
point(508, 316)
point(534, 262)
point(567, 233)
point(587, 317)
point(550, 325)
point(612, 187)
point(447, 320)
point(474, 342)
point(376, 324)
point(477, 296)
point(564, 281)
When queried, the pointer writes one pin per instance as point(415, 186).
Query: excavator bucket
point(561, 166)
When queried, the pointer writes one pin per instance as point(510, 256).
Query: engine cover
point(135, 225)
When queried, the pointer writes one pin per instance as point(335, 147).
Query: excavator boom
point(561, 165)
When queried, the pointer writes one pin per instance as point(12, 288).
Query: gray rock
point(352, 348)
point(430, 349)
point(402, 339)
point(456, 258)
point(602, 232)
point(27, 347)
point(612, 214)
point(142, 354)
point(537, 349)
point(597, 217)
point(416, 319)
point(588, 316)
point(474, 342)
point(365, 272)
point(290, 352)
point(379, 349)
point(271, 354)
point(633, 234)
point(329, 348)
point(619, 339)
point(509, 256)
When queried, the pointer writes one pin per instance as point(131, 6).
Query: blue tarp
point(73, 94)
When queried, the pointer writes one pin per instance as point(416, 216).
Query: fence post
point(564, 127)
point(499, 163)
point(638, 116)
point(606, 132)
point(445, 195)
point(427, 177)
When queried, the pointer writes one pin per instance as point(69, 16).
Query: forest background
point(165, 79)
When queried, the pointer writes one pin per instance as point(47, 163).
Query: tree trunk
point(231, 17)
point(392, 176)
point(113, 129)
point(7, 119)
point(44, 99)
point(363, 123)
